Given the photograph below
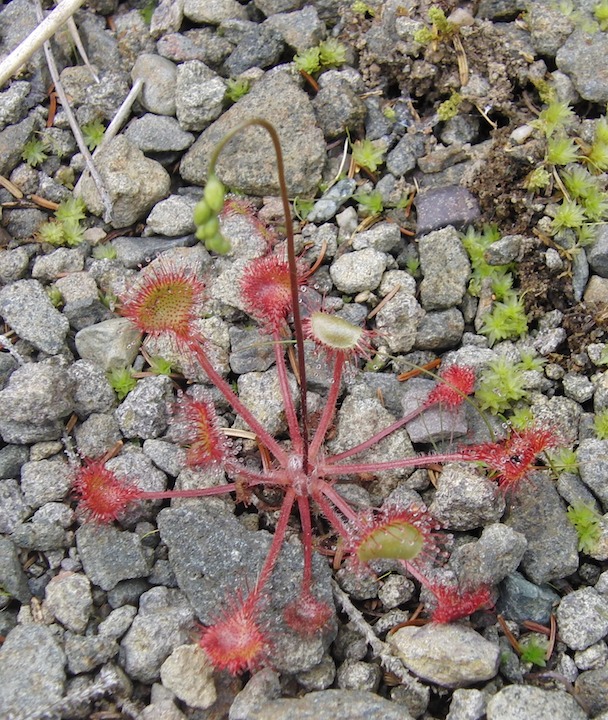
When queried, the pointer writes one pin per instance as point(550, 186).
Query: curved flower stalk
point(165, 302)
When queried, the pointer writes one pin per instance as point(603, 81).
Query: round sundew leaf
point(400, 540)
point(334, 332)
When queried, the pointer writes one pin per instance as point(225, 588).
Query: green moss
point(93, 133)
point(34, 152)
point(236, 88)
point(501, 385)
point(368, 154)
point(534, 650)
point(506, 321)
point(122, 381)
point(586, 522)
point(600, 424)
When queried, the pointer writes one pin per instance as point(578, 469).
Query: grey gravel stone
point(93, 393)
point(199, 95)
point(488, 560)
point(32, 405)
point(593, 466)
point(203, 44)
point(118, 622)
point(12, 578)
point(582, 618)
point(395, 589)
point(12, 102)
point(259, 46)
point(357, 271)
point(338, 108)
point(84, 654)
point(465, 500)
point(164, 622)
point(188, 673)
point(55, 264)
point(517, 701)
point(110, 344)
point(439, 207)
point(172, 217)
point(250, 351)
point(13, 264)
point(261, 394)
point(597, 252)
point(68, 598)
point(134, 182)
point(110, 555)
point(449, 655)
point(578, 387)
point(32, 671)
point(12, 140)
point(522, 600)
point(536, 511)
point(12, 458)
point(26, 307)
point(159, 76)
point(320, 677)
point(158, 133)
point(249, 163)
point(332, 200)
point(300, 29)
point(440, 330)
point(591, 687)
point(383, 236)
point(402, 158)
point(135, 252)
point(358, 675)
point(446, 268)
point(45, 481)
point(467, 705)
point(143, 413)
point(166, 456)
point(351, 704)
point(13, 508)
point(213, 12)
point(579, 58)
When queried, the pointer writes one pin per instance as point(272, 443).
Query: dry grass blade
point(48, 27)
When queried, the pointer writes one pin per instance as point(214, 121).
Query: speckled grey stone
point(522, 600)
point(357, 271)
point(446, 268)
point(110, 344)
point(439, 207)
point(44, 481)
point(68, 597)
point(159, 76)
point(158, 133)
point(536, 511)
point(248, 162)
point(449, 655)
point(593, 466)
point(465, 500)
point(517, 701)
point(213, 12)
point(144, 412)
point(12, 577)
point(32, 671)
point(26, 307)
point(134, 182)
point(86, 653)
point(440, 330)
point(581, 57)
point(199, 95)
point(172, 217)
point(300, 29)
point(164, 622)
point(582, 618)
point(110, 555)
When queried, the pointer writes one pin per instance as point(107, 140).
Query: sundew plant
point(165, 304)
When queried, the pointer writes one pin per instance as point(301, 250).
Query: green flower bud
point(218, 244)
point(202, 212)
point(214, 193)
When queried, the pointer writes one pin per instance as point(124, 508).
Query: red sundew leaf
point(454, 604)
point(102, 496)
point(201, 432)
point(513, 458)
point(266, 291)
point(237, 642)
point(165, 300)
point(456, 382)
point(307, 615)
point(408, 534)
